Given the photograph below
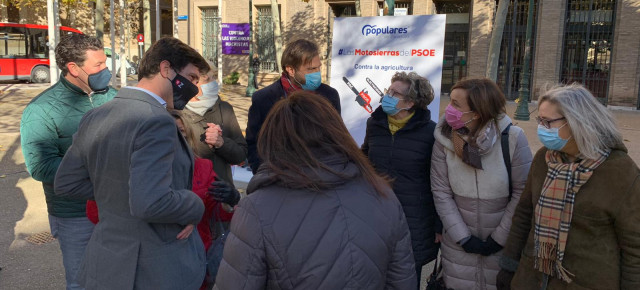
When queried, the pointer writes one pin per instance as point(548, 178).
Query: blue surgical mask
point(99, 81)
point(313, 81)
point(210, 89)
point(550, 138)
point(389, 104)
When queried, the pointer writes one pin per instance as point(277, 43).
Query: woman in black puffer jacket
point(398, 142)
point(317, 216)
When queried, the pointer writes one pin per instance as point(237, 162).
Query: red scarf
point(288, 86)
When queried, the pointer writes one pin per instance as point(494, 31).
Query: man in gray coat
point(129, 156)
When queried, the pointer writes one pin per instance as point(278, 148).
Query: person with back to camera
point(318, 216)
point(474, 192)
point(577, 225)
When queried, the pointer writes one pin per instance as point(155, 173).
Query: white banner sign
point(367, 51)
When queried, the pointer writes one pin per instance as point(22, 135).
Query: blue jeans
point(73, 235)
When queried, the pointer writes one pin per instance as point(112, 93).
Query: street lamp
point(522, 112)
point(251, 86)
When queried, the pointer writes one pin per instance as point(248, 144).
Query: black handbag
point(214, 254)
point(436, 281)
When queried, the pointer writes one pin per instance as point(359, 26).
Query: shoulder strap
point(506, 157)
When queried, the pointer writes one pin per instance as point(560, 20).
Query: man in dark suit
point(129, 156)
point(301, 71)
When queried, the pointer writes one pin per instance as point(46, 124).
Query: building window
point(456, 41)
point(399, 8)
point(587, 45)
point(514, 40)
point(210, 31)
point(343, 10)
point(265, 40)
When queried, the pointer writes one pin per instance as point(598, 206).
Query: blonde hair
point(592, 125)
point(189, 134)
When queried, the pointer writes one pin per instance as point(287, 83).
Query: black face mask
point(183, 91)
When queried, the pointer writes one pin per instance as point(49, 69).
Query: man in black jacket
point(301, 71)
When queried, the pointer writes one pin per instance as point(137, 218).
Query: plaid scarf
point(287, 85)
point(555, 209)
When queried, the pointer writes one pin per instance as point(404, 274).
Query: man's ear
point(73, 68)
point(165, 68)
point(290, 70)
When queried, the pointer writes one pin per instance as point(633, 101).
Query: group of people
point(323, 212)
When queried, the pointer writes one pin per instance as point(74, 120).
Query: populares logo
point(374, 30)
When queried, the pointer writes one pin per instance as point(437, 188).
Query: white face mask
point(210, 89)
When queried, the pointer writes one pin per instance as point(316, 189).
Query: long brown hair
point(484, 98)
point(300, 125)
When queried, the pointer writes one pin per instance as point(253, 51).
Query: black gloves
point(224, 192)
point(473, 246)
point(503, 280)
point(476, 246)
point(490, 247)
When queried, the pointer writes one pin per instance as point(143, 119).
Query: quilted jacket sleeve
point(38, 139)
point(452, 222)
point(520, 164)
point(244, 264)
point(401, 273)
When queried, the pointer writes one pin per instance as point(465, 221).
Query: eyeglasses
point(547, 123)
point(394, 94)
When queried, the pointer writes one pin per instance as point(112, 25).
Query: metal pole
point(251, 87)
point(52, 18)
point(157, 20)
point(512, 41)
point(522, 112)
point(220, 42)
point(123, 66)
point(112, 28)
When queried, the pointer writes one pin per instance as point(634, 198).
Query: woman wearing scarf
point(207, 111)
point(470, 182)
point(577, 225)
point(398, 142)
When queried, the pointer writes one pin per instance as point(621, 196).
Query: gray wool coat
point(344, 237)
point(129, 156)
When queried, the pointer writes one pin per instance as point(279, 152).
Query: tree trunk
point(277, 33)
point(147, 24)
point(358, 13)
point(99, 20)
point(496, 40)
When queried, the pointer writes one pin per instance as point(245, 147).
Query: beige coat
point(476, 202)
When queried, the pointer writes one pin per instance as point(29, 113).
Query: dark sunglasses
point(547, 123)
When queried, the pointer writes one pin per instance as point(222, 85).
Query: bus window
point(38, 43)
point(13, 43)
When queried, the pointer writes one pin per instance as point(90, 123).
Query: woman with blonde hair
point(577, 225)
point(478, 170)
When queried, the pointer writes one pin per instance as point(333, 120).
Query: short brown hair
point(299, 52)
point(174, 51)
point(420, 90)
point(484, 98)
point(298, 126)
point(73, 48)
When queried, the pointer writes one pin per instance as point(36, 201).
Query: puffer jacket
point(46, 129)
point(406, 157)
point(476, 202)
point(603, 244)
point(344, 237)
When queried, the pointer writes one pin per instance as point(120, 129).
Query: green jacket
point(48, 124)
point(603, 246)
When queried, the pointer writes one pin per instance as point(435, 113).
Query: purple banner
point(235, 38)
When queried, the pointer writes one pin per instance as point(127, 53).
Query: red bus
point(24, 54)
